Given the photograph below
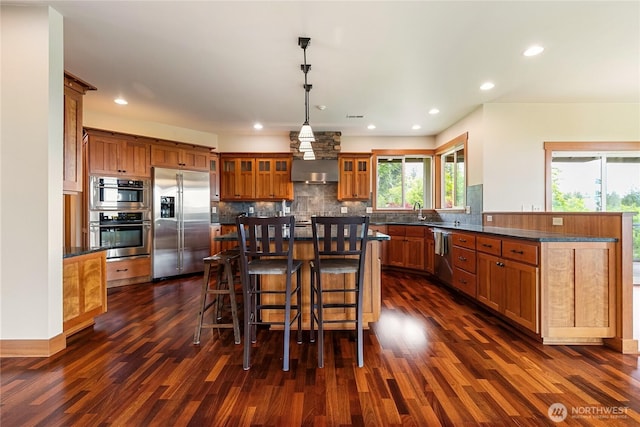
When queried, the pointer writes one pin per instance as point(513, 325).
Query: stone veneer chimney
point(327, 145)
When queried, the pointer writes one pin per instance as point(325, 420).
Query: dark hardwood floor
point(432, 359)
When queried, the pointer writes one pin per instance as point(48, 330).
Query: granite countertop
point(303, 232)
point(71, 251)
point(533, 235)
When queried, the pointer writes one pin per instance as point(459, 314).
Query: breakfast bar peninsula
point(303, 251)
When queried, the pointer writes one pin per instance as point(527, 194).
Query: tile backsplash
point(321, 199)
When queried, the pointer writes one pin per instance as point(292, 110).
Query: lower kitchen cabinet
point(508, 286)
point(406, 247)
point(429, 251)
point(215, 230)
point(463, 256)
point(578, 292)
point(84, 290)
point(128, 271)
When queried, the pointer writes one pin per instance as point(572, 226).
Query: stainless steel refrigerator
point(181, 221)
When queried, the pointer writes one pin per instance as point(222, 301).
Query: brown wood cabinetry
point(463, 255)
point(247, 178)
point(383, 243)
point(228, 244)
point(111, 153)
point(273, 178)
point(215, 230)
point(429, 251)
point(355, 176)
point(214, 177)
point(506, 284)
point(84, 290)
point(179, 156)
point(237, 180)
point(128, 271)
point(406, 247)
point(74, 90)
point(578, 292)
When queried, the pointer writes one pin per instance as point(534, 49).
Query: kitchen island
point(84, 287)
point(303, 250)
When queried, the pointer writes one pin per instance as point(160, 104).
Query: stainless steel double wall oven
point(120, 216)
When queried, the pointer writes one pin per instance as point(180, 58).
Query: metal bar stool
point(339, 246)
point(266, 248)
point(225, 266)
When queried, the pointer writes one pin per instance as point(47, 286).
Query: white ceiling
point(218, 67)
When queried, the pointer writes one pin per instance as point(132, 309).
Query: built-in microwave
point(122, 234)
point(115, 193)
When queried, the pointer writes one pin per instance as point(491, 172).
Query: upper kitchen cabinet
point(273, 178)
point(214, 176)
point(111, 153)
point(74, 90)
point(179, 156)
point(254, 177)
point(237, 179)
point(355, 176)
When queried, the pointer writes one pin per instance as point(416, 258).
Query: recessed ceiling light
point(257, 126)
point(533, 50)
point(487, 86)
point(120, 101)
point(416, 127)
point(434, 111)
point(371, 127)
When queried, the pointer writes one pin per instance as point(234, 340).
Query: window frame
point(400, 153)
point(461, 141)
point(573, 146)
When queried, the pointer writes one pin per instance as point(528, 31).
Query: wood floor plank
point(434, 358)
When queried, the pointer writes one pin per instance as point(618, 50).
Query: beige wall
point(514, 134)
point(472, 123)
point(94, 119)
point(31, 164)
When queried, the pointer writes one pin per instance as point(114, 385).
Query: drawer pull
point(464, 282)
point(461, 258)
point(517, 252)
point(486, 245)
point(122, 269)
point(462, 240)
point(500, 264)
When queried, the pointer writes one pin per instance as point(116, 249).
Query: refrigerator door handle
point(180, 188)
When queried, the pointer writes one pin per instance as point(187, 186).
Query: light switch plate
point(557, 221)
point(287, 209)
point(489, 218)
point(343, 209)
point(369, 209)
point(250, 209)
point(214, 209)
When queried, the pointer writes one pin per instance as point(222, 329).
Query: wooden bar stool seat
point(212, 296)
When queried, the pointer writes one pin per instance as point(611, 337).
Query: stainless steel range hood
point(314, 171)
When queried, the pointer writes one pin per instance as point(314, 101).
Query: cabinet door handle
point(517, 252)
point(500, 264)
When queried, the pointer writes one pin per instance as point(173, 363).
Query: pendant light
point(306, 136)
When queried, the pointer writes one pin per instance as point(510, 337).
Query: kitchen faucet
point(417, 206)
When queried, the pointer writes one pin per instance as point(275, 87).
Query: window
point(453, 179)
point(403, 181)
point(595, 181)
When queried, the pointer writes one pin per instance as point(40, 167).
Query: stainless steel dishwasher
point(443, 265)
